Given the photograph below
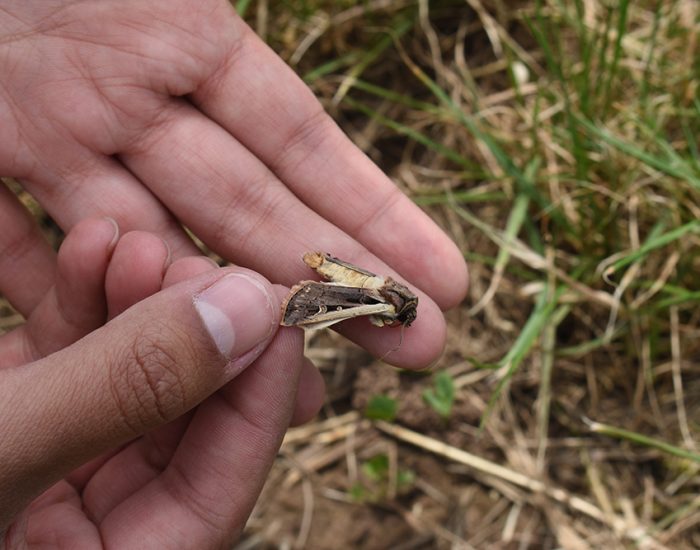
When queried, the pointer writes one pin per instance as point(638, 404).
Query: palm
point(192, 481)
point(159, 490)
point(173, 112)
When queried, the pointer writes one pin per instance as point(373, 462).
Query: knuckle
point(262, 203)
point(148, 383)
point(303, 138)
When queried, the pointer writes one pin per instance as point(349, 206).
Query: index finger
point(300, 143)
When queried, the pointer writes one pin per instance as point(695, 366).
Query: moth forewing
point(316, 305)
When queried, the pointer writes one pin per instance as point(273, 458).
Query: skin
point(195, 453)
point(191, 118)
point(161, 114)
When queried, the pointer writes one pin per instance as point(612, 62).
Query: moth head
point(404, 301)
point(408, 313)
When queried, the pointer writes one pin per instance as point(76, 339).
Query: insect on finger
point(351, 292)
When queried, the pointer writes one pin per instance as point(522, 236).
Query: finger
point(144, 459)
point(186, 268)
point(310, 394)
point(217, 472)
point(178, 271)
point(140, 267)
point(100, 90)
point(252, 210)
point(59, 509)
point(130, 470)
point(27, 263)
point(136, 464)
point(136, 270)
point(416, 347)
point(101, 188)
point(125, 464)
point(145, 368)
point(305, 149)
point(75, 305)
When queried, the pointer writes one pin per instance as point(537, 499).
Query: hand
point(174, 112)
point(108, 422)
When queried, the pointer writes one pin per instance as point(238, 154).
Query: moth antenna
point(392, 350)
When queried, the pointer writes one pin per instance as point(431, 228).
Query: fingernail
point(237, 312)
point(168, 255)
point(115, 237)
point(212, 261)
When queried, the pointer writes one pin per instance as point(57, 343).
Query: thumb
point(143, 369)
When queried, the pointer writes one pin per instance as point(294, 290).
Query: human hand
point(174, 112)
point(109, 424)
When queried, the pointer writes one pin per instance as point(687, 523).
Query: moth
point(349, 292)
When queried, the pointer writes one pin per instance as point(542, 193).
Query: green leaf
point(242, 7)
point(381, 407)
point(442, 396)
point(358, 493)
point(405, 479)
point(377, 467)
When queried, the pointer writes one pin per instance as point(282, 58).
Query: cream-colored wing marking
point(341, 272)
point(328, 318)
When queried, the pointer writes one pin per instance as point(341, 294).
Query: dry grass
point(557, 144)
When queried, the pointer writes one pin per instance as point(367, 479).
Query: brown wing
point(309, 299)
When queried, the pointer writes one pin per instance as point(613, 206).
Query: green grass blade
point(687, 297)
point(681, 171)
point(331, 66)
point(655, 242)
point(545, 41)
point(648, 65)
point(242, 7)
point(528, 337)
point(462, 197)
point(622, 7)
point(415, 135)
point(401, 99)
point(370, 56)
point(640, 439)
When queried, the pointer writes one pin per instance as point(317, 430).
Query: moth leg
point(377, 321)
